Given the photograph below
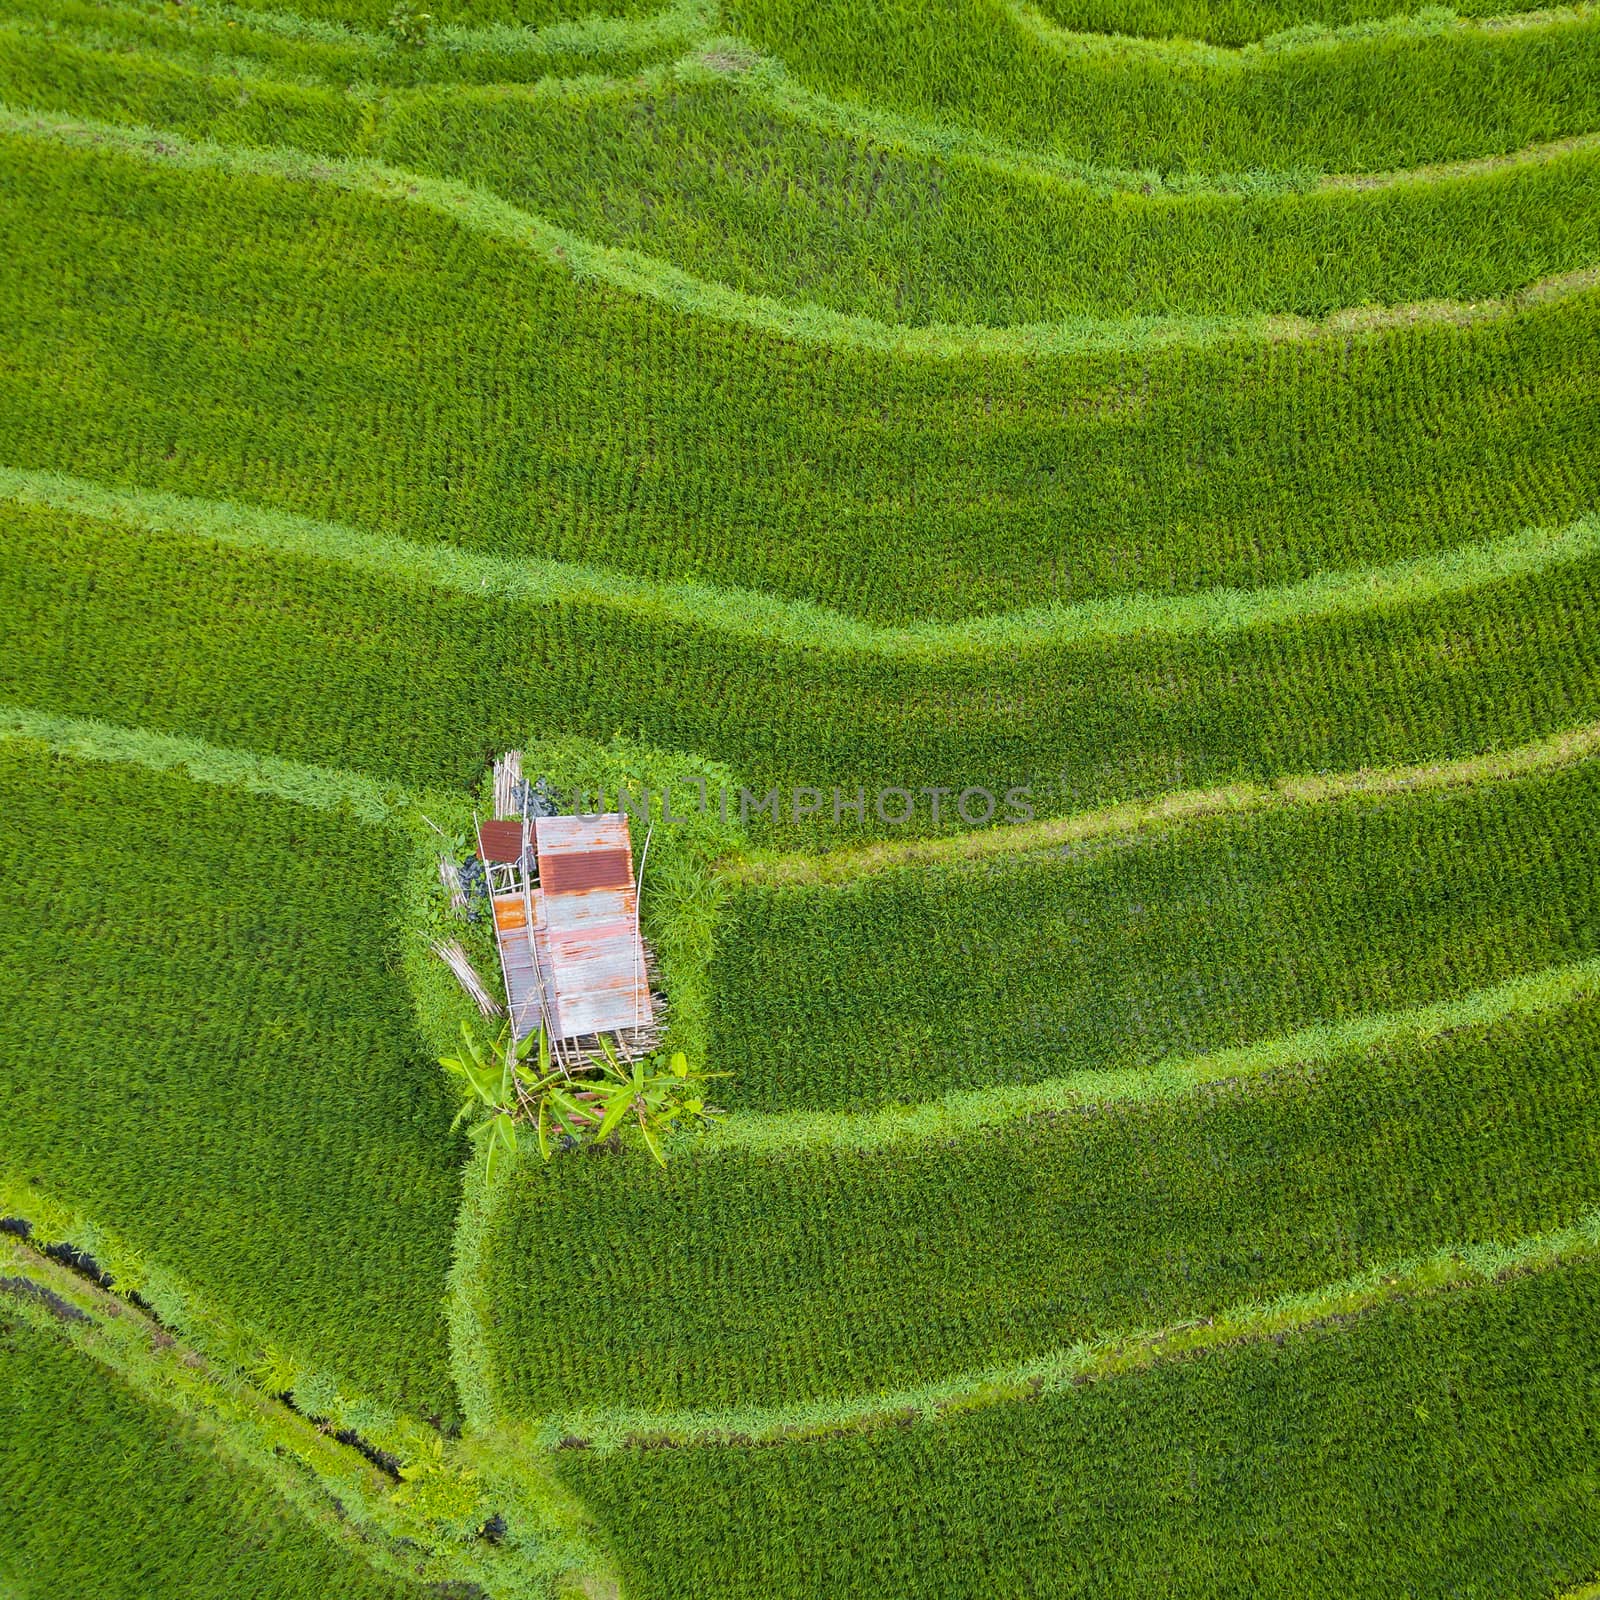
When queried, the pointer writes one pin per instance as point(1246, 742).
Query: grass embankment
point(255, 40)
point(384, 671)
point(1239, 22)
point(812, 217)
point(531, 415)
point(1433, 1445)
point(817, 1271)
point(374, 15)
point(103, 1493)
point(926, 980)
point(1397, 93)
point(222, 1066)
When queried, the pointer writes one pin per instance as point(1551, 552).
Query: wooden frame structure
point(566, 921)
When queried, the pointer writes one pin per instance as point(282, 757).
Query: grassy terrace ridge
point(1059, 1371)
point(105, 1493)
point(811, 1280)
point(971, 481)
point(1396, 93)
point(144, 66)
point(190, 935)
point(1036, 23)
point(320, 788)
point(814, 218)
point(1149, 316)
point(928, 241)
point(217, 35)
point(1397, 1450)
point(755, 618)
point(769, 84)
point(965, 1112)
point(1111, 955)
point(373, 15)
point(1238, 22)
point(846, 866)
point(307, 660)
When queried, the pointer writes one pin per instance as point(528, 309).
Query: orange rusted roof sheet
point(587, 869)
point(500, 841)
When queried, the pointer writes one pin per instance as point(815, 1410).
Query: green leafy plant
point(567, 1102)
point(493, 1080)
point(637, 1093)
point(409, 27)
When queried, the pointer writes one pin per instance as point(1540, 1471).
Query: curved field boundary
point(1422, 24)
point(320, 788)
point(632, 272)
point(324, 1479)
point(678, 23)
point(683, 23)
point(1443, 172)
point(793, 624)
point(766, 81)
point(304, 50)
point(1212, 23)
point(763, 81)
point(851, 863)
point(1454, 1267)
point(1299, 250)
point(972, 1111)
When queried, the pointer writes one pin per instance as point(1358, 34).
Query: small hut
point(566, 919)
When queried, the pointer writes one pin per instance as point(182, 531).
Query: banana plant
point(581, 1108)
point(499, 1082)
point(655, 1099)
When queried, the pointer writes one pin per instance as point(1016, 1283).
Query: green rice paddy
point(1172, 419)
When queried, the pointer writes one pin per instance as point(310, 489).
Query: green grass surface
point(818, 1273)
point(1399, 95)
point(914, 983)
point(526, 414)
point(1436, 1448)
point(1192, 1193)
point(221, 1064)
point(104, 1494)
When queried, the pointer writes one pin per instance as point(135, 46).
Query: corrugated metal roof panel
point(570, 870)
point(586, 922)
point(563, 835)
point(600, 980)
point(500, 841)
point(510, 911)
point(569, 912)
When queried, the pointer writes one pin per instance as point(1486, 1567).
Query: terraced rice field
point(1090, 512)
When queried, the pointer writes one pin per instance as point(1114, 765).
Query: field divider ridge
point(968, 1112)
point(1307, 37)
point(678, 22)
point(800, 624)
point(766, 81)
point(632, 272)
point(851, 863)
point(299, 782)
point(1457, 1266)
